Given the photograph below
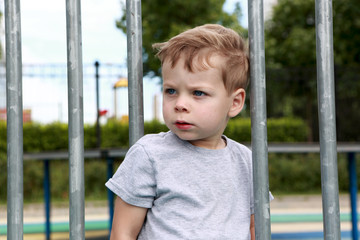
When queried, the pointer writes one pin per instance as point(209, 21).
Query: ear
point(238, 100)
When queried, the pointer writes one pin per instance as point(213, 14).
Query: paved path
point(311, 207)
point(300, 213)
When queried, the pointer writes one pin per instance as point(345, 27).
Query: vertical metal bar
point(135, 70)
point(258, 120)
point(353, 194)
point(76, 121)
point(98, 134)
point(14, 120)
point(47, 197)
point(326, 98)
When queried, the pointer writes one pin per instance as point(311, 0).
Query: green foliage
point(239, 130)
point(288, 173)
point(33, 180)
point(347, 103)
point(290, 33)
point(3, 136)
point(346, 32)
point(287, 130)
point(162, 20)
point(279, 130)
point(290, 48)
point(115, 134)
point(3, 175)
point(301, 173)
point(154, 127)
point(90, 140)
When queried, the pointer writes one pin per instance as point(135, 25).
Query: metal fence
point(75, 108)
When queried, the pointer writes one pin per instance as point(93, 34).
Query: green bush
point(53, 136)
point(2, 138)
point(115, 134)
point(287, 130)
point(301, 173)
point(154, 127)
point(279, 130)
point(288, 173)
point(3, 176)
point(239, 130)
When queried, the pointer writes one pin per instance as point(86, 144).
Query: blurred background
point(290, 57)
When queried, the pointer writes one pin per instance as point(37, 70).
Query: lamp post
point(98, 134)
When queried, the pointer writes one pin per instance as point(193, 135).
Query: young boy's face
point(196, 105)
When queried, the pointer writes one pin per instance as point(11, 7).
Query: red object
point(26, 115)
point(102, 112)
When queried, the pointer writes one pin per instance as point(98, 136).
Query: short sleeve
point(134, 181)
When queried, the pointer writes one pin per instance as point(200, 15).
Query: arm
point(127, 222)
point(252, 227)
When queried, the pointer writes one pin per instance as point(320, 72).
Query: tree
point(290, 33)
point(163, 19)
point(347, 32)
point(290, 41)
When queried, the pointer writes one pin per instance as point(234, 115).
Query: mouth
point(183, 125)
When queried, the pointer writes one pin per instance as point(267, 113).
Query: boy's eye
point(199, 93)
point(170, 91)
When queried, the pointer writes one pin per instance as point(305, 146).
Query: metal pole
point(47, 197)
point(98, 134)
point(76, 121)
point(135, 69)
point(353, 194)
point(14, 120)
point(326, 98)
point(258, 120)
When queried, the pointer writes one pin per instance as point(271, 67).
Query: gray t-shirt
point(190, 192)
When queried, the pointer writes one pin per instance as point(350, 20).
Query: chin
point(185, 136)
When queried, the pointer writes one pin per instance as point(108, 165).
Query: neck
point(221, 143)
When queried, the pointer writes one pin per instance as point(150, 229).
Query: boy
point(191, 182)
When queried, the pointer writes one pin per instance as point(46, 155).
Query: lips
point(183, 125)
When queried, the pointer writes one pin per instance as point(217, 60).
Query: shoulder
point(158, 143)
point(159, 139)
point(240, 151)
point(235, 146)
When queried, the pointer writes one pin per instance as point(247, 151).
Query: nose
point(181, 106)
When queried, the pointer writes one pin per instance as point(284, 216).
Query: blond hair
point(214, 39)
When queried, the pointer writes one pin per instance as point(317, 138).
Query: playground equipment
point(258, 110)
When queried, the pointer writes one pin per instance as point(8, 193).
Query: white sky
point(43, 27)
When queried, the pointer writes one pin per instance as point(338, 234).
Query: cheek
point(165, 109)
point(207, 114)
point(213, 113)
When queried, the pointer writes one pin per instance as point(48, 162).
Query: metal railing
point(326, 98)
point(134, 33)
point(109, 155)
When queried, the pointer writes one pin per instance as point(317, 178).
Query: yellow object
point(124, 119)
point(122, 82)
